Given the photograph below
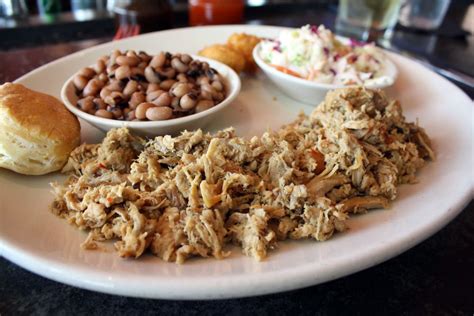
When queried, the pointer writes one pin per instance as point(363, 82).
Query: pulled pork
point(192, 194)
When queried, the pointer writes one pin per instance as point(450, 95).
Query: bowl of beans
point(150, 94)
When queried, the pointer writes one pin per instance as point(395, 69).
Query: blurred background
point(438, 33)
point(32, 22)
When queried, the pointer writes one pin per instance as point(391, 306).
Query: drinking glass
point(86, 9)
point(13, 8)
point(423, 14)
point(367, 19)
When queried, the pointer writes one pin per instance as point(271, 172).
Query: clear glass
point(13, 8)
point(85, 9)
point(423, 14)
point(49, 7)
point(367, 19)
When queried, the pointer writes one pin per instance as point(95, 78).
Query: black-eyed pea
point(182, 78)
point(151, 76)
point(150, 97)
point(114, 98)
point(92, 88)
point(86, 104)
point(143, 85)
point(204, 105)
point(123, 72)
point(179, 90)
point(130, 88)
point(202, 80)
point(100, 66)
point(158, 60)
point(115, 85)
point(218, 97)
point(110, 70)
point(144, 56)
point(99, 104)
point(206, 95)
point(188, 101)
point(168, 73)
point(195, 64)
point(217, 85)
point(105, 92)
point(153, 87)
point(193, 86)
point(117, 113)
point(177, 64)
point(217, 77)
point(207, 87)
point(175, 103)
point(140, 111)
point(104, 114)
point(138, 73)
point(205, 65)
point(112, 60)
point(163, 99)
point(79, 82)
point(167, 84)
point(211, 73)
point(103, 77)
point(87, 72)
point(136, 99)
point(130, 61)
point(185, 58)
point(159, 113)
point(130, 116)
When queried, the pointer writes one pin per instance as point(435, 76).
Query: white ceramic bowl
point(153, 128)
point(307, 91)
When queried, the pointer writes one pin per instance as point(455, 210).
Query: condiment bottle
point(204, 12)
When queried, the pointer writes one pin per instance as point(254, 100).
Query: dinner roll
point(37, 132)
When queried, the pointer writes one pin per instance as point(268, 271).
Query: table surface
point(434, 277)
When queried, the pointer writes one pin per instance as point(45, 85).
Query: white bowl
point(308, 91)
point(153, 128)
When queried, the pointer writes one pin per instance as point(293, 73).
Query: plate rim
point(266, 281)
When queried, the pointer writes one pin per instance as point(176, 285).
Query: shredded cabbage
point(315, 54)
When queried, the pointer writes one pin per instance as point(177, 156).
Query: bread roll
point(37, 132)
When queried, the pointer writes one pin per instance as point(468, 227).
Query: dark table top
point(434, 277)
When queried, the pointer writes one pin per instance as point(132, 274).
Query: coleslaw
point(314, 53)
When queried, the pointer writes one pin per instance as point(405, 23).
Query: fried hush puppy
point(225, 55)
point(237, 53)
point(244, 44)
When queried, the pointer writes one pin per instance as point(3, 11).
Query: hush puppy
point(244, 44)
point(225, 55)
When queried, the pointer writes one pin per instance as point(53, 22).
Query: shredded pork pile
point(192, 194)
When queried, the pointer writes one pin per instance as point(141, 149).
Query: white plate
point(37, 240)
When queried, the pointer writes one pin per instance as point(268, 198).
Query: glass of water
point(367, 19)
point(423, 14)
